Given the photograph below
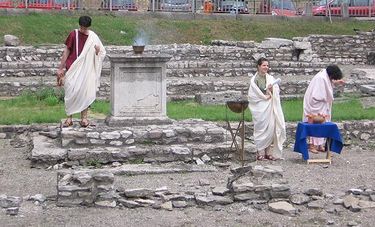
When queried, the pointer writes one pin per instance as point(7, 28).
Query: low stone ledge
point(9, 131)
point(45, 152)
point(85, 187)
point(219, 97)
point(96, 187)
point(186, 131)
point(204, 149)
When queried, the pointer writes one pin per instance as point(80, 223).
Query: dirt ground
point(354, 168)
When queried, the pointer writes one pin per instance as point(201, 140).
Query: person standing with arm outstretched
point(79, 70)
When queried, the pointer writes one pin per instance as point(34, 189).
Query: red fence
point(268, 7)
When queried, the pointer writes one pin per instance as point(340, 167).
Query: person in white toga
point(318, 99)
point(82, 59)
point(267, 114)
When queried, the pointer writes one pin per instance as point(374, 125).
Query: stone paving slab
point(47, 152)
point(140, 169)
point(368, 102)
point(368, 89)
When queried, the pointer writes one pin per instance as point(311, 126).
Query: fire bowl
point(138, 49)
point(315, 119)
point(237, 106)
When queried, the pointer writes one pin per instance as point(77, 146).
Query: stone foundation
point(180, 142)
point(87, 187)
point(96, 187)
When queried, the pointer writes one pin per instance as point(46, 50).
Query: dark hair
point(85, 21)
point(334, 72)
point(261, 60)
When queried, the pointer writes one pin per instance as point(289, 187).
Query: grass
point(348, 109)
point(122, 30)
point(189, 109)
point(46, 106)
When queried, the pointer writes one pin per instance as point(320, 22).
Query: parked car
point(355, 7)
point(277, 8)
point(175, 5)
point(233, 6)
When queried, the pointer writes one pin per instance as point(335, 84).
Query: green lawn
point(47, 107)
point(36, 29)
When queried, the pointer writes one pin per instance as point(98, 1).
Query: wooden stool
point(328, 158)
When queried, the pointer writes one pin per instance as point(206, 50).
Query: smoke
point(141, 39)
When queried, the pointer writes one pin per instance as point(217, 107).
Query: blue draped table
point(327, 130)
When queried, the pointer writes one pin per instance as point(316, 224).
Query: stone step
point(46, 152)
point(179, 167)
point(42, 69)
point(291, 87)
point(185, 131)
point(181, 69)
point(185, 87)
point(368, 89)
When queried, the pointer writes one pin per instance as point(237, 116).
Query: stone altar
point(138, 90)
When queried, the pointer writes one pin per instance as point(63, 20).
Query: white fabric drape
point(268, 117)
point(318, 99)
point(82, 80)
point(318, 96)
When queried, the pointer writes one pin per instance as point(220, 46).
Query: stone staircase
point(189, 141)
point(193, 69)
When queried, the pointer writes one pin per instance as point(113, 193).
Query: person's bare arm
point(97, 49)
point(338, 82)
point(60, 71)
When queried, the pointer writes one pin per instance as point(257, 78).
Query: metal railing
point(341, 8)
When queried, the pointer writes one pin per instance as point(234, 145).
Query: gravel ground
point(354, 168)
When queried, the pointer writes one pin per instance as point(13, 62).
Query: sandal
point(260, 157)
point(270, 157)
point(84, 123)
point(313, 149)
point(321, 148)
point(67, 123)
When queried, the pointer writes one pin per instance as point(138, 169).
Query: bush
point(51, 100)
point(44, 93)
point(49, 96)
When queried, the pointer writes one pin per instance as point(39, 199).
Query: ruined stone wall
point(85, 188)
point(347, 49)
point(222, 66)
point(353, 132)
point(96, 188)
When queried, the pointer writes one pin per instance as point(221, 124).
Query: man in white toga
point(82, 58)
point(318, 99)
